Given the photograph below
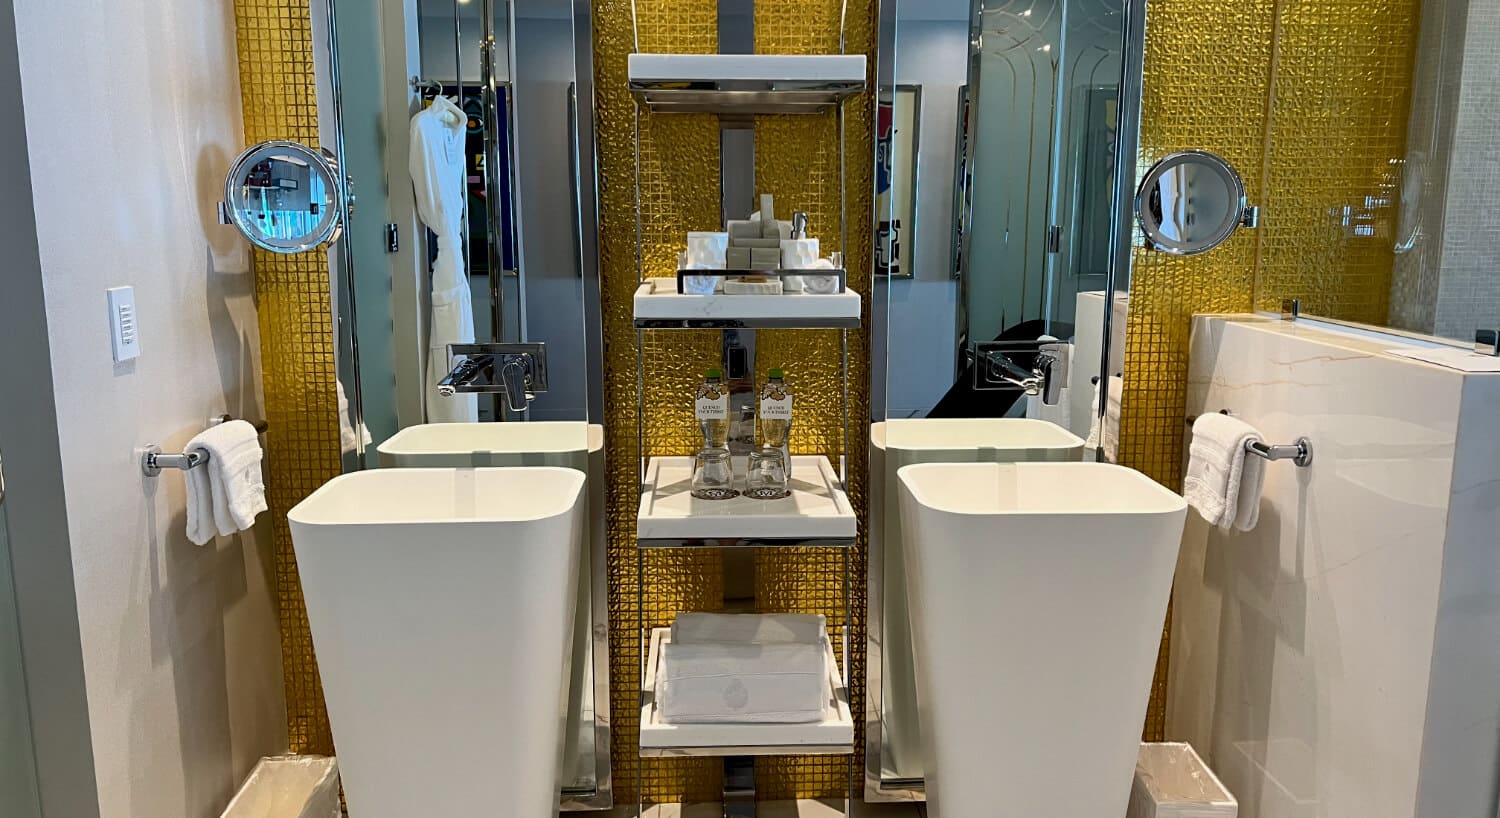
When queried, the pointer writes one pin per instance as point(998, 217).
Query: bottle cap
point(714, 374)
point(777, 375)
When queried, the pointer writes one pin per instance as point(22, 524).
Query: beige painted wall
point(132, 115)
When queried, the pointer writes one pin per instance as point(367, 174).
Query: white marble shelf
point(834, 735)
point(658, 305)
point(817, 513)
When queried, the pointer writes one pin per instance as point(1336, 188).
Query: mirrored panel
point(999, 183)
point(467, 303)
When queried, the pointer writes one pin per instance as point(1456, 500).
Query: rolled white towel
point(708, 628)
point(225, 494)
point(1109, 435)
point(782, 683)
point(1224, 483)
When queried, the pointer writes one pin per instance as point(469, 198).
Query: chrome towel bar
point(153, 460)
point(1300, 452)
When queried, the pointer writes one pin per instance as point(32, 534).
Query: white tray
point(834, 735)
point(658, 305)
point(817, 513)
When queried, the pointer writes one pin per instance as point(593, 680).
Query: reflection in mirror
point(1190, 203)
point(471, 121)
point(284, 197)
point(993, 331)
point(897, 139)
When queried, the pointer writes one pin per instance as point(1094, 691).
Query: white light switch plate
point(124, 324)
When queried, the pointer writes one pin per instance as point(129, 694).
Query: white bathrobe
point(438, 174)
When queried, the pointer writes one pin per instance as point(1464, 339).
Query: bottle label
point(776, 408)
point(712, 408)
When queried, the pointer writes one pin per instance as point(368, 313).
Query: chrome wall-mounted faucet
point(518, 371)
point(1046, 377)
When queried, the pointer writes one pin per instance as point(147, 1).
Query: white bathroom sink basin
point(478, 444)
point(1037, 594)
point(903, 442)
point(567, 444)
point(985, 439)
point(441, 603)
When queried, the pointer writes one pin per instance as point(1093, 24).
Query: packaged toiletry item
point(705, 251)
point(711, 407)
point(821, 285)
point(798, 252)
point(753, 285)
point(776, 416)
point(701, 285)
point(765, 258)
point(738, 258)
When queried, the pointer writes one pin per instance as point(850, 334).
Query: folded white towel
point(1223, 482)
point(225, 494)
point(783, 683)
point(701, 628)
point(349, 439)
point(1111, 429)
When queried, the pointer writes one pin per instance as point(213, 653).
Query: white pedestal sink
point(896, 758)
point(1037, 592)
point(568, 444)
point(441, 606)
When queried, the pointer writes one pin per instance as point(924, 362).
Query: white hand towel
point(736, 684)
point(226, 493)
point(1111, 429)
point(701, 628)
point(1223, 482)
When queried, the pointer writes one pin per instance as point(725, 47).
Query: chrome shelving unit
point(819, 516)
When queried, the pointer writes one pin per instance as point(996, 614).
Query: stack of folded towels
point(744, 669)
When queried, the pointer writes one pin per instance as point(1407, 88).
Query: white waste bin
point(289, 787)
point(1171, 781)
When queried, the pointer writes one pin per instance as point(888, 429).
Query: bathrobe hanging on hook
point(437, 173)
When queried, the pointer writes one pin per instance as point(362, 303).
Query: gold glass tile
point(678, 174)
point(797, 160)
point(274, 40)
point(1341, 96)
point(1308, 101)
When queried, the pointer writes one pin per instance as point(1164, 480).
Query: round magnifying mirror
point(284, 197)
point(1191, 202)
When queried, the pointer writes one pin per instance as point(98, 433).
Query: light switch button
point(124, 328)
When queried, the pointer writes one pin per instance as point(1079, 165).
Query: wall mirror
point(1003, 317)
point(286, 197)
point(1191, 202)
point(471, 119)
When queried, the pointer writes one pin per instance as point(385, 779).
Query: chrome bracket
point(1487, 342)
point(224, 217)
point(1250, 217)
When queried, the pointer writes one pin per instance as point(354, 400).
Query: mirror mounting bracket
point(1250, 218)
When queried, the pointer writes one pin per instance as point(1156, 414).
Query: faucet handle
point(1052, 362)
point(1487, 342)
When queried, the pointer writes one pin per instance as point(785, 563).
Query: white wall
point(132, 115)
point(1342, 658)
point(933, 54)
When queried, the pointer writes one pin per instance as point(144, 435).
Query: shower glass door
point(18, 787)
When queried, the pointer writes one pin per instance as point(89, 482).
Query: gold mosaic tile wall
point(296, 336)
point(1308, 101)
point(678, 172)
point(797, 160)
point(679, 166)
point(1341, 96)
